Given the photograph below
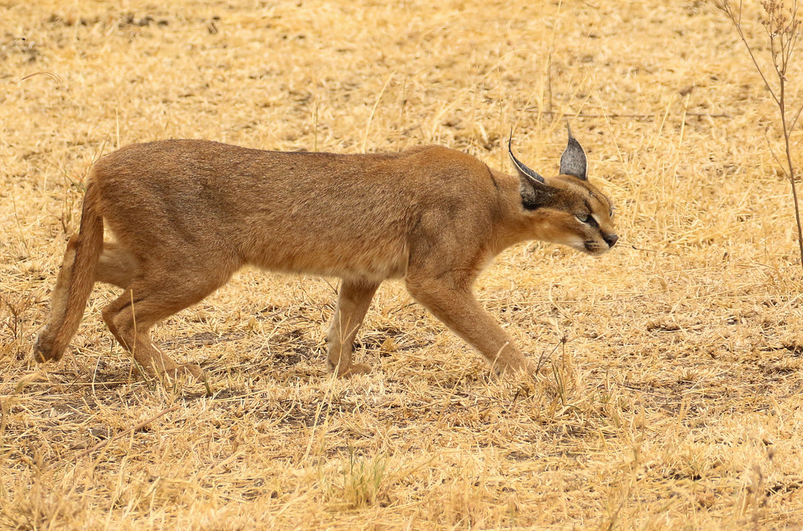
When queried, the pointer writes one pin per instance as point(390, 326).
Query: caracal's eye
point(582, 218)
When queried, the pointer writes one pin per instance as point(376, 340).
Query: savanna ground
point(674, 399)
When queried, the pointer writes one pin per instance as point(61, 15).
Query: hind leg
point(116, 265)
point(352, 304)
point(131, 316)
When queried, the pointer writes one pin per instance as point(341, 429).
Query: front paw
point(187, 369)
point(359, 368)
point(351, 370)
point(517, 368)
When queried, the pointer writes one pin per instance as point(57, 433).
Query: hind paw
point(43, 349)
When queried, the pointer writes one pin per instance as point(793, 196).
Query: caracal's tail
point(75, 281)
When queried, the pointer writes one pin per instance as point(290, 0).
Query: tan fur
point(187, 214)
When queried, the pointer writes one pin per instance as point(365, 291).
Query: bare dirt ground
point(674, 400)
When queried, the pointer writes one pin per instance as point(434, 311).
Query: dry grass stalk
point(133, 429)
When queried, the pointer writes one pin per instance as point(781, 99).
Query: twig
point(139, 426)
point(640, 116)
point(683, 120)
point(47, 73)
point(542, 358)
point(549, 58)
point(373, 110)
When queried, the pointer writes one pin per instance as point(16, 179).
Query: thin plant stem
point(782, 31)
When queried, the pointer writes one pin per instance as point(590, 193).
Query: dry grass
point(675, 400)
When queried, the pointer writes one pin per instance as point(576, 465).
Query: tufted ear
point(534, 190)
point(573, 161)
point(524, 171)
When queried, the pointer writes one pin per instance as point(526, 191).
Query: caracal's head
point(567, 209)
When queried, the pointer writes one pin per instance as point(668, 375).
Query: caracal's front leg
point(450, 299)
point(352, 303)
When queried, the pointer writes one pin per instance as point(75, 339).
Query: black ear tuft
point(573, 161)
point(523, 170)
point(535, 192)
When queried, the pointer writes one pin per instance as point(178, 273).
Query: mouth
point(594, 248)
